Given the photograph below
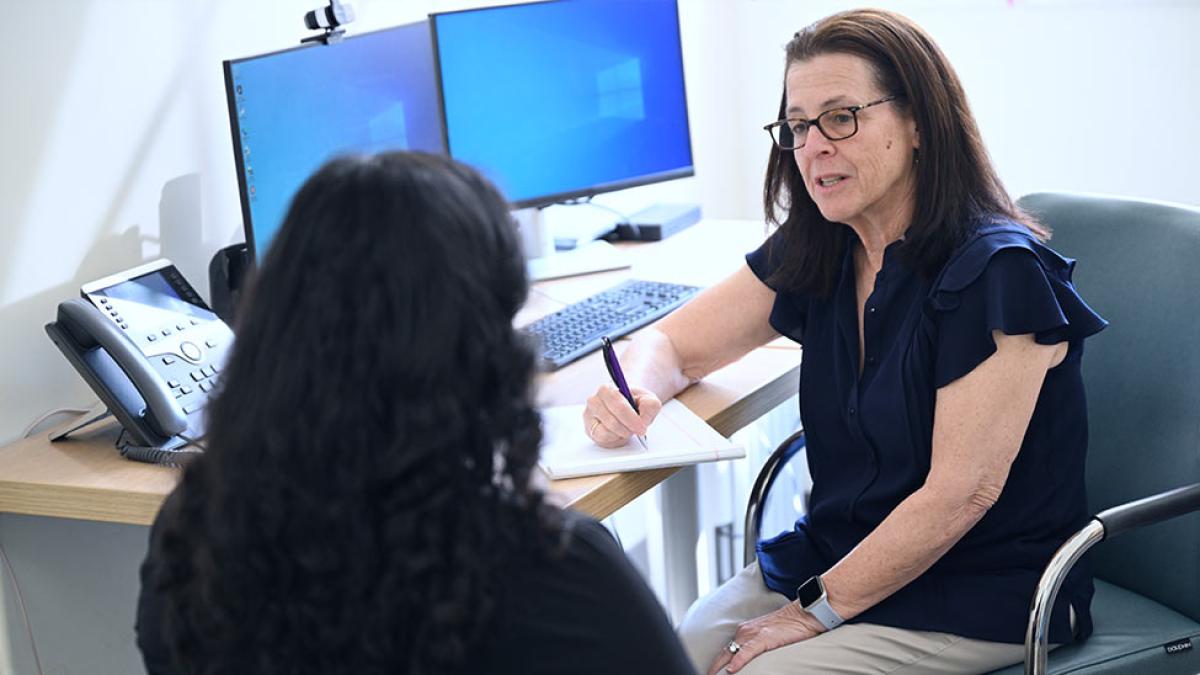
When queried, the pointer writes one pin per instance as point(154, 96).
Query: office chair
point(789, 451)
point(1139, 267)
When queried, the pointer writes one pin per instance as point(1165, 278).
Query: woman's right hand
point(609, 420)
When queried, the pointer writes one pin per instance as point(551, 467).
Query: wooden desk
point(85, 478)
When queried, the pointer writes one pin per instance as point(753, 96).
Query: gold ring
point(595, 424)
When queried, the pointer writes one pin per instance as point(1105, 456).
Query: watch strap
point(823, 612)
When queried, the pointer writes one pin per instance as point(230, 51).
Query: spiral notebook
point(677, 437)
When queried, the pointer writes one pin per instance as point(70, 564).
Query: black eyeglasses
point(837, 124)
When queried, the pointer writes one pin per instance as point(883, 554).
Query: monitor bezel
point(591, 190)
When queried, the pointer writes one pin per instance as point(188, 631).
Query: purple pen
point(618, 377)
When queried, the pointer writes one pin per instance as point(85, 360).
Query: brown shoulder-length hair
point(956, 183)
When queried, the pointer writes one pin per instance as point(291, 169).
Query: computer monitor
point(565, 99)
point(292, 110)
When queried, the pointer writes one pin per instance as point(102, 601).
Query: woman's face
point(869, 179)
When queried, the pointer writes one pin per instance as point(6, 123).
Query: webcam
point(329, 20)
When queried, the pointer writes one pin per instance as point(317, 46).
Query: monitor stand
point(543, 262)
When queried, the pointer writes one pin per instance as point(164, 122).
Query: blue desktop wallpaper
point(298, 108)
point(561, 97)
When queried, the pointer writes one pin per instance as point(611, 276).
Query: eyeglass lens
point(836, 125)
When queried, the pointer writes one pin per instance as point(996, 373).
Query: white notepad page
point(676, 437)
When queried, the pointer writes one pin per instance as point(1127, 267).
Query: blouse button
point(871, 310)
point(852, 411)
point(871, 360)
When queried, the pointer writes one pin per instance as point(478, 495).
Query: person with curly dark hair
point(365, 502)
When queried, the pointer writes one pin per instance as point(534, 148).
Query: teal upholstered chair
point(1139, 267)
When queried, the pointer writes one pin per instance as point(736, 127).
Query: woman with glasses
point(940, 388)
point(365, 502)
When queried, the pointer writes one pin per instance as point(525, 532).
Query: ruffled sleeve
point(1004, 279)
point(790, 311)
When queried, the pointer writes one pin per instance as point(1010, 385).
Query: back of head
point(956, 184)
point(367, 478)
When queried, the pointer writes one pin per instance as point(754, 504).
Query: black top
point(869, 436)
point(586, 611)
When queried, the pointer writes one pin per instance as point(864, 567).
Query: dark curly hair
point(366, 488)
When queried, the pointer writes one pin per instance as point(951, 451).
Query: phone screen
point(149, 304)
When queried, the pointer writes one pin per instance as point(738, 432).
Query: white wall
point(1056, 86)
point(114, 149)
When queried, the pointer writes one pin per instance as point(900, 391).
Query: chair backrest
point(1139, 267)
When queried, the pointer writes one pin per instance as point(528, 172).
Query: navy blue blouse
point(869, 437)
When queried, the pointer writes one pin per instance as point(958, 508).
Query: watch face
point(810, 592)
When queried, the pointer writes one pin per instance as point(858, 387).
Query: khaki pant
point(850, 648)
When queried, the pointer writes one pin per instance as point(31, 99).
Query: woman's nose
point(815, 143)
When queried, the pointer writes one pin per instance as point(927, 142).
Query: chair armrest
point(762, 485)
point(1104, 525)
point(1151, 510)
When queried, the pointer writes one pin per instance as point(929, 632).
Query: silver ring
point(733, 647)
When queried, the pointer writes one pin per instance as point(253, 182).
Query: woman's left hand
point(787, 625)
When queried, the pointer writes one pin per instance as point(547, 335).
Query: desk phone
point(152, 351)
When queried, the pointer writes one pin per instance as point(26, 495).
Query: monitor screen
point(567, 98)
point(290, 111)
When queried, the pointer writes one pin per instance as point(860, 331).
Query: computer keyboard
point(575, 331)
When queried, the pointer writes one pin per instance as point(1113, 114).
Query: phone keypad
point(203, 379)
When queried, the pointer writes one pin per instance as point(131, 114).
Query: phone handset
point(89, 329)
